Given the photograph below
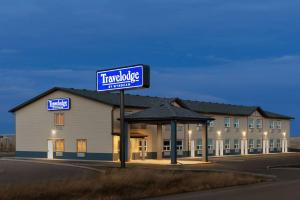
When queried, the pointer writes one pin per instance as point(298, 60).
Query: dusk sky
point(228, 51)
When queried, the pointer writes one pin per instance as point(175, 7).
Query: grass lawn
point(132, 183)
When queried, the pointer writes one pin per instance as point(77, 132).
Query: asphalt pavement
point(285, 167)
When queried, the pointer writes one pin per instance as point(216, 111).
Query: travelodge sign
point(59, 104)
point(130, 77)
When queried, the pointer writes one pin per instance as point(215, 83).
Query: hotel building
point(89, 128)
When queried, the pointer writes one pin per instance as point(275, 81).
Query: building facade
point(89, 128)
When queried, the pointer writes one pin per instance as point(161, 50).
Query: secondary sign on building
point(130, 77)
point(59, 104)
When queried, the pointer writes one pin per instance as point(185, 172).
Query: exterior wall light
point(190, 132)
point(244, 133)
point(219, 133)
point(53, 132)
point(265, 133)
point(284, 134)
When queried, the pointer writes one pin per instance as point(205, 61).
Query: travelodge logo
point(123, 78)
point(59, 104)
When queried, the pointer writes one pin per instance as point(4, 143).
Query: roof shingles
point(148, 102)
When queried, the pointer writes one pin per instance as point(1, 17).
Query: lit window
point(227, 144)
point(278, 144)
point(167, 146)
point(236, 123)
point(141, 145)
point(59, 119)
point(259, 123)
point(227, 122)
point(251, 123)
point(81, 146)
point(236, 144)
point(199, 144)
point(258, 144)
point(59, 145)
point(271, 143)
point(179, 145)
point(251, 144)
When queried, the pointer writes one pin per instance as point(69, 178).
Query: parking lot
point(16, 170)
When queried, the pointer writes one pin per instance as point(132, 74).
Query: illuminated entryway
point(171, 115)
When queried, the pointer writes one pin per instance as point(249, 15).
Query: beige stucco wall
point(86, 120)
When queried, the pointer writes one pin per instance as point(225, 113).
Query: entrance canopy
point(168, 113)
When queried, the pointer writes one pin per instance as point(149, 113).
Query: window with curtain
point(59, 145)
point(59, 119)
point(82, 146)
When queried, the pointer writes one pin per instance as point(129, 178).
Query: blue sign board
point(59, 104)
point(130, 77)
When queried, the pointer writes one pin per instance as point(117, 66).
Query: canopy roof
point(165, 113)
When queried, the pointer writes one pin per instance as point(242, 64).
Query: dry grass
point(126, 184)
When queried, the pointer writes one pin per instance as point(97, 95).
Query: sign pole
point(123, 138)
point(123, 78)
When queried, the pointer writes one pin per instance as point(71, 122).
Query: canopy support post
point(173, 142)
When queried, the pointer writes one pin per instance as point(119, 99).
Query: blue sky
point(231, 51)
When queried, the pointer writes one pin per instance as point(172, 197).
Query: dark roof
point(166, 112)
point(138, 101)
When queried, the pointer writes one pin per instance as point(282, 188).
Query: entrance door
point(50, 149)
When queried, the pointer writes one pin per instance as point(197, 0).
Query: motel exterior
point(89, 129)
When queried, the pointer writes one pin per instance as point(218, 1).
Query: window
point(278, 144)
point(227, 144)
point(272, 124)
point(259, 123)
point(81, 146)
point(141, 145)
point(236, 144)
point(179, 145)
point(59, 119)
point(211, 124)
point(180, 128)
point(258, 144)
point(251, 143)
point(236, 123)
point(271, 143)
point(251, 123)
point(199, 144)
point(278, 124)
point(210, 145)
point(227, 122)
point(59, 145)
point(167, 145)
